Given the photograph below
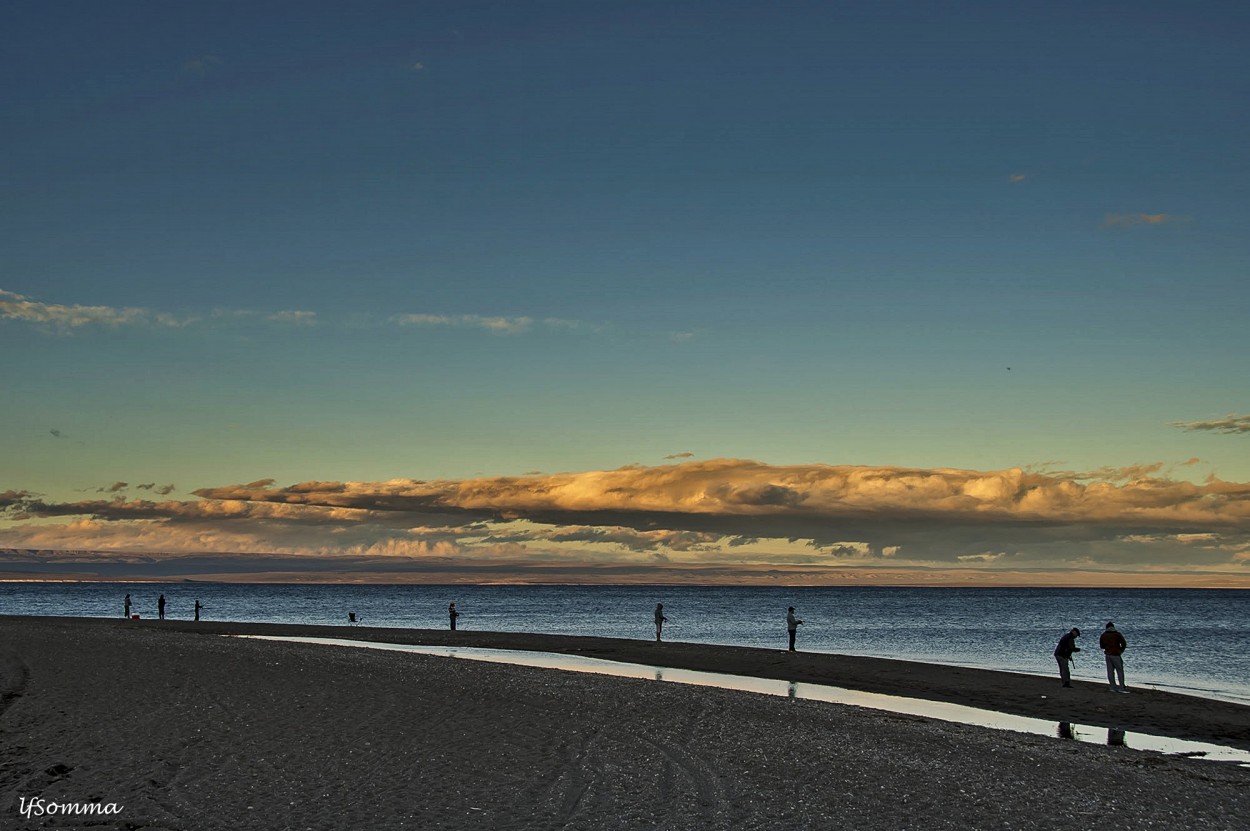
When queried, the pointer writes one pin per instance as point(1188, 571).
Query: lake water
point(1185, 640)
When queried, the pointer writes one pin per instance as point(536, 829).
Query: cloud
point(935, 515)
point(726, 513)
point(294, 316)
point(495, 325)
point(1131, 472)
point(983, 557)
point(1229, 424)
point(66, 318)
point(625, 538)
point(1129, 220)
point(1017, 178)
point(686, 455)
point(57, 433)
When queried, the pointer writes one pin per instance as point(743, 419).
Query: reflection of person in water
point(1065, 730)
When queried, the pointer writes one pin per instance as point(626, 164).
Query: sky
point(793, 292)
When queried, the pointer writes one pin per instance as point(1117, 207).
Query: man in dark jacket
point(1063, 654)
point(1113, 645)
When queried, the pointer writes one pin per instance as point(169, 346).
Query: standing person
point(659, 620)
point(792, 626)
point(1063, 654)
point(126, 605)
point(160, 607)
point(452, 614)
point(198, 606)
point(1112, 644)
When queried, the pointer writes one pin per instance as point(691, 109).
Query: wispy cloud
point(17, 307)
point(302, 318)
point(1017, 178)
point(686, 455)
point(69, 318)
point(1229, 424)
point(496, 325)
point(66, 319)
point(1129, 220)
point(296, 316)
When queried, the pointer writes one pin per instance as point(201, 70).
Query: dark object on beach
point(792, 625)
point(198, 606)
point(452, 614)
point(126, 605)
point(1063, 654)
point(160, 607)
point(659, 620)
point(351, 617)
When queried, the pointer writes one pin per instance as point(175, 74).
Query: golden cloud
point(722, 513)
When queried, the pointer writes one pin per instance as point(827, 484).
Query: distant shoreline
point(1146, 711)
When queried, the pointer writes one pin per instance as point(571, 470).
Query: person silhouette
point(792, 626)
point(659, 620)
point(1113, 645)
point(160, 607)
point(452, 614)
point(126, 606)
point(1063, 654)
point(198, 606)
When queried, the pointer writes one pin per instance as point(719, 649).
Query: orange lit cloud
point(735, 492)
point(728, 515)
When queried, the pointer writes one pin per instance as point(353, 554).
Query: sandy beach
point(186, 730)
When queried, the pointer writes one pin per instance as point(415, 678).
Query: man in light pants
point(1112, 644)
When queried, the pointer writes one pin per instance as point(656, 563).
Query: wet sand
point(194, 732)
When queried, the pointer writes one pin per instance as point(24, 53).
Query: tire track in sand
point(704, 784)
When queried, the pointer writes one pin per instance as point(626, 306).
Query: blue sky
point(455, 241)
